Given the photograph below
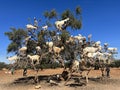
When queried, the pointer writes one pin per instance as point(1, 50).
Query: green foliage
point(75, 17)
point(12, 47)
point(116, 63)
point(41, 38)
point(64, 36)
point(16, 36)
point(31, 47)
point(78, 10)
point(51, 14)
point(48, 24)
point(66, 14)
point(53, 65)
point(3, 65)
point(75, 22)
point(46, 14)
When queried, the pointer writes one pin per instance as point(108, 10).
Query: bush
point(46, 66)
point(3, 65)
point(116, 63)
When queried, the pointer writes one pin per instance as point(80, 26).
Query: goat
point(45, 27)
point(75, 66)
point(104, 57)
point(50, 45)
point(38, 48)
point(59, 24)
point(91, 50)
point(71, 39)
point(30, 27)
point(91, 55)
point(27, 39)
point(79, 37)
point(111, 49)
point(97, 43)
point(34, 58)
point(57, 50)
point(13, 58)
point(23, 49)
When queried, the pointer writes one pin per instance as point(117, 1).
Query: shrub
point(48, 65)
point(116, 63)
point(3, 65)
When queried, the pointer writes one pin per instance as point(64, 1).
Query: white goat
point(45, 27)
point(111, 49)
point(104, 57)
point(13, 58)
point(57, 50)
point(79, 37)
point(38, 48)
point(27, 39)
point(50, 45)
point(75, 66)
point(107, 54)
point(59, 24)
point(30, 27)
point(71, 39)
point(96, 44)
point(23, 49)
point(91, 55)
point(91, 49)
point(34, 58)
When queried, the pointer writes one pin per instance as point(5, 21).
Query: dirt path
point(113, 83)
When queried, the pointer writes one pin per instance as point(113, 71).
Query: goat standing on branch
point(61, 25)
point(57, 50)
point(45, 27)
point(31, 27)
point(13, 58)
point(23, 50)
point(34, 58)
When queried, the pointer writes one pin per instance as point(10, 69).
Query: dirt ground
point(9, 82)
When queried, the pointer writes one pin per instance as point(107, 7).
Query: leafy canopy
point(16, 36)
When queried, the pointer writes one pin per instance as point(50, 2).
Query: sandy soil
point(7, 81)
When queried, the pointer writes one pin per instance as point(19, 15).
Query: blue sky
point(101, 18)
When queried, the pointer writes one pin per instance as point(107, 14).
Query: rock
point(37, 86)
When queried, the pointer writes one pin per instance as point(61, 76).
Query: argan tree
point(39, 38)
